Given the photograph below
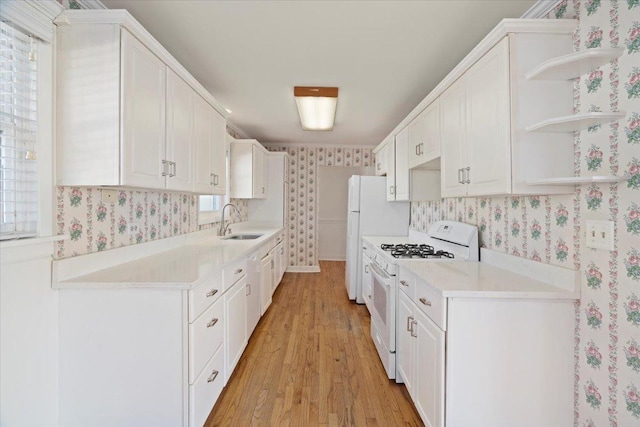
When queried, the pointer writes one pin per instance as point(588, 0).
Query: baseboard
point(303, 269)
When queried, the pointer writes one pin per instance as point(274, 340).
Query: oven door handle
point(378, 272)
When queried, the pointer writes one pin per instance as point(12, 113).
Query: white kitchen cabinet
point(278, 271)
point(274, 208)
point(253, 292)
point(180, 146)
point(210, 149)
point(249, 169)
point(401, 188)
point(131, 121)
point(143, 119)
point(235, 313)
point(366, 280)
point(461, 360)
point(485, 147)
point(424, 138)
point(384, 156)
point(266, 282)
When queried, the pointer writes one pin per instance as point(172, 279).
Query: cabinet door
point(366, 281)
point(219, 168)
point(253, 297)
point(381, 160)
point(390, 156)
point(429, 370)
point(259, 172)
point(266, 290)
point(404, 352)
point(179, 153)
point(430, 148)
point(235, 320)
point(143, 115)
point(453, 137)
point(416, 141)
point(203, 145)
point(488, 123)
point(402, 165)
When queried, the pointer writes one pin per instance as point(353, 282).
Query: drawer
point(232, 272)
point(407, 283)
point(203, 295)
point(206, 390)
point(432, 303)
point(205, 336)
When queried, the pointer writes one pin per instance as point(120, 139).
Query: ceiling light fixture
point(316, 106)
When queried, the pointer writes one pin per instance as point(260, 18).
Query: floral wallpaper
point(550, 229)
point(303, 193)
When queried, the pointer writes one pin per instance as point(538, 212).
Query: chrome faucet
point(224, 228)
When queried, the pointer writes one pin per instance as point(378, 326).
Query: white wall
point(333, 193)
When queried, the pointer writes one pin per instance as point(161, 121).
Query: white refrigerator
point(369, 215)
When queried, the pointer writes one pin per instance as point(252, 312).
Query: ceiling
point(385, 56)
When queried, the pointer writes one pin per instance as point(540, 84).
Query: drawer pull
point(238, 271)
point(414, 332)
point(403, 283)
point(409, 323)
point(212, 292)
point(213, 376)
point(212, 323)
point(425, 302)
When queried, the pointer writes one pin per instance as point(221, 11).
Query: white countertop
point(469, 279)
point(182, 267)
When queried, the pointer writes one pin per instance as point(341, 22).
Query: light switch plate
point(599, 235)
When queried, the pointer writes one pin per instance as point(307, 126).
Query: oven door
point(384, 305)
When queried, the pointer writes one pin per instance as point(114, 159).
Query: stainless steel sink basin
point(242, 237)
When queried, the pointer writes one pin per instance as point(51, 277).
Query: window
point(211, 206)
point(19, 198)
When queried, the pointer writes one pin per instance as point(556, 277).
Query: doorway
point(333, 193)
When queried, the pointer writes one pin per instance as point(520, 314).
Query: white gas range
point(445, 241)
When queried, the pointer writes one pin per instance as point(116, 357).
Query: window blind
point(18, 134)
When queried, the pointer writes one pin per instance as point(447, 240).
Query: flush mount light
point(316, 106)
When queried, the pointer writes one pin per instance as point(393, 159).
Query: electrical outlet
point(600, 235)
point(108, 196)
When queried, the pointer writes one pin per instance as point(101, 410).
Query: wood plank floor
point(311, 362)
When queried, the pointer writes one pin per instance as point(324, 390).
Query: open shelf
point(576, 180)
point(575, 122)
point(574, 64)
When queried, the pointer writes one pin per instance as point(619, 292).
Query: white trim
point(34, 17)
point(540, 9)
point(303, 269)
point(503, 29)
point(126, 20)
point(91, 4)
point(16, 251)
point(315, 145)
point(237, 130)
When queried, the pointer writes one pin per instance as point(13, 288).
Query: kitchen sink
point(242, 237)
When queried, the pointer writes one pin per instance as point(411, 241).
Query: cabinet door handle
point(417, 149)
point(211, 293)
point(215, 179)
point(262, 190)
point(391, 189)
point(212, 377)
point(414, 333)
point(238, 271)
point(172, 169)
point(425, 302)
point(468, 181)
point(460, 180)
point(164, 168)
point(378, 166)
point(212, 323)
point(366, 268)
point(281, 251)
point(421, 151)
point(248, 286)
point(211, 179)
point(409, 324)
point(403, 283)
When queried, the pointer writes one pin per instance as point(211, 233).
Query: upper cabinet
point(128, 114)
point(476, 125)
point(384, 156)
point(249, 169)
point(424, 138)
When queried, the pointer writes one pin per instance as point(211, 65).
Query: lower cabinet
point(266, 282)
point(205, 391)
point(235, 313)
point(501, 362)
